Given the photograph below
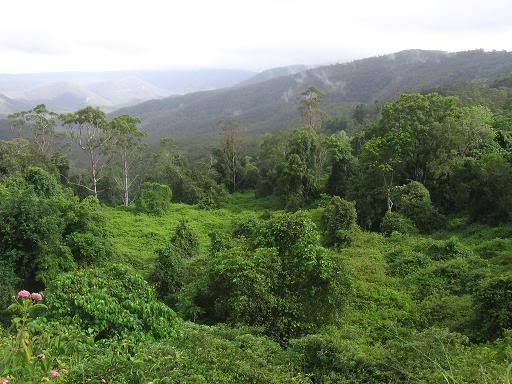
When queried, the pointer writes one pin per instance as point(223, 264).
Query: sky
point(102, 35)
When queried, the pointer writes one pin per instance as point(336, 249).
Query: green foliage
point(402, 263)
point(494, 306)
point(449, 249)
point(456, 276)
point(200, 355)
point(413, 201)
point(170, 268)
point(396, 222)
point(110, 301)
point(154, 198)
point(10, 281)
point(273, 279)
point(339, 215)
point(447, 311)
point(185, 240)
point(489, 197)
point(169, 273)
point(342, 164)
point(44, 184)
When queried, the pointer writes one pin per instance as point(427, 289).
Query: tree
point(40, 122)
point(154, 198)
point(339, 215)
point(185, 239)
point(341, 159)
point(127, 138)
point(494, 306)
point(229, 160)
point(280, 279)
point(309, 107)
point(45, 231)
point(89, 128)
point(300, 178)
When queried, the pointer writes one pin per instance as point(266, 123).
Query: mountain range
point(260, 102)
point(271, 103)
point(67, 91)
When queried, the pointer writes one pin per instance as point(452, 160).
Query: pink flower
point(54, 373)
point(24, 294)
point(36, 296)
point(3, 380)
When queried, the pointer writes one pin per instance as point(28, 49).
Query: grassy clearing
point(137, 235)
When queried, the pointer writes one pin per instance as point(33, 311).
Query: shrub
point(200, 355)
point(404, 262)
point(154, 198)
point(9, 283)
point(185, 240)
point(449, 249)
point(246, 227)
point(340, 214)
point(413, 201)
point(109, 301)
point(333, 358)
point(447, 311)
point(343, 238)
point(494, 306)
point(282, 279)
point(457, 276)
point(88, 248)
point(44, 184)
point(396, 222)
point(169, 272)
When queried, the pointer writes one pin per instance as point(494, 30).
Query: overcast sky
point(91, 35)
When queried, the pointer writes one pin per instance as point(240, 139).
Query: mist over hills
point(67, 91)
point(271, 104)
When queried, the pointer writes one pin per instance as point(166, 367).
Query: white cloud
point(58, 35)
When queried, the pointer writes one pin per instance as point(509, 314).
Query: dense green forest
point(369, 247)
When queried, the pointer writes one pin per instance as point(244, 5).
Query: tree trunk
point(93, 174)
point(125, 179)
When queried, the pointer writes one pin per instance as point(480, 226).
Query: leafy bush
point(333, 358)
point(396, 222)
point(404, 262)
point(449, 249)
point(457, 276)
point(45, 236)
point(282, 279)
point(344, 238)
point(110, 301)
point(494, 306)
point(448, 311)
point(246, 227)
point(154, 198)
point(185, 239)
point(200, 355)
point(413, 201)
point(212, 197)
point(44, 184)
point(340, 214)
point(9, 283)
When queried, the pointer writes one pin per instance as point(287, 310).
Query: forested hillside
point(376, 254)
point(271, 105)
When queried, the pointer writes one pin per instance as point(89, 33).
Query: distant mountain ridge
point(109, 90)
point(272, 104)
point(8, 105)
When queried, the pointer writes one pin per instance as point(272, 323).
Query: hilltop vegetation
point(381, 255)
